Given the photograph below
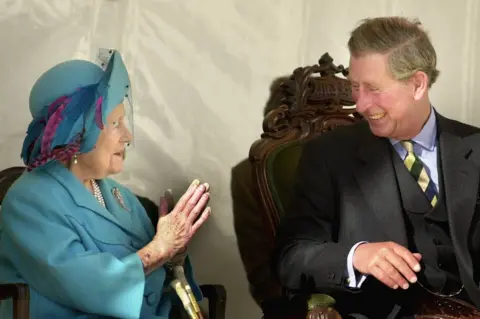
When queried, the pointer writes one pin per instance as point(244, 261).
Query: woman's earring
point(75, 159)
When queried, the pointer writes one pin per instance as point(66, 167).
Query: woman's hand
point(175, 229)
point(167, 203)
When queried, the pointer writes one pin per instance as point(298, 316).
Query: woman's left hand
point(167, 203)
point(176, 227)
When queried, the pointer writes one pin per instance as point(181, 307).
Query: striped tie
point(416, 168)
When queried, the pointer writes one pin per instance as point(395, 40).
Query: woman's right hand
point(175, 229)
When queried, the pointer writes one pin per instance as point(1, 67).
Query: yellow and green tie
point(419, 173)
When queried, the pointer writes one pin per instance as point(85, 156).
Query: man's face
point(387, 104)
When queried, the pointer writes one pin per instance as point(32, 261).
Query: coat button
point(436, 241)
point(331, 275)
point(151, 298)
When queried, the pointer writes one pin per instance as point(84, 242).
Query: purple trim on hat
point(61, 154)
point(98, 113)
point(53, 122)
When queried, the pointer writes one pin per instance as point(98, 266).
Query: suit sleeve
point(308, 256)
point(49, 255)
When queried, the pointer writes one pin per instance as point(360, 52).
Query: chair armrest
point(20, 294)
point(217, 299)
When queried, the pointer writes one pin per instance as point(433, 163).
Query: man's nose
point(363, 102)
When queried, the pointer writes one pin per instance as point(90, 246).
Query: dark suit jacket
point(346, 192)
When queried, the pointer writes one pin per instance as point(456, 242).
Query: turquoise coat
point(78, 258)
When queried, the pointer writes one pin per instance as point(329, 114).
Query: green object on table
point(322, 300)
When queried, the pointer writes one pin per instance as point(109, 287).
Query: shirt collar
point(427, 136)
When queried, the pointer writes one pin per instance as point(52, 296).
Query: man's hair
point(408, 46)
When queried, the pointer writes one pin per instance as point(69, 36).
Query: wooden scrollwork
point(314, 99)
point(309, 98)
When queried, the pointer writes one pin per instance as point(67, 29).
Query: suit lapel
point(460, 182)
point(376, 178)
point(460, 161)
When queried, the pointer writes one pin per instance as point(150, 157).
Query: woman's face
point(108, 155)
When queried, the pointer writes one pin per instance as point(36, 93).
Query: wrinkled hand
point(389, 262)
point(175, 229)
point(167, 203)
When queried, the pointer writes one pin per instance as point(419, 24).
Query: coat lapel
point(460, 163)
point(376, 178)
point(118, 205)
point(80, 195)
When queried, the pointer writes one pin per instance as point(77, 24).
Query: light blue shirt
point(425, 147)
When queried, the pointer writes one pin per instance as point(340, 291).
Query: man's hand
point(389, 262)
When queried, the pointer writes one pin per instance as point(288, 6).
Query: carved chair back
point(315, 100)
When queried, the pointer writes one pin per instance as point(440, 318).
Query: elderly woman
point(82, 242)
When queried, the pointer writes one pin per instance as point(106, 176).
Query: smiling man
point(385, 211)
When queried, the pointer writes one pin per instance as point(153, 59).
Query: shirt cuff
point(355, 279)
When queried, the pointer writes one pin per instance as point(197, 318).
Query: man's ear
point(420, 84)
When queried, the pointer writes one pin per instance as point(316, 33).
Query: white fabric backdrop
point(201, 73)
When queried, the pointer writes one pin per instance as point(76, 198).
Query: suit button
point(331, 275)
point(440, 265)
point(151, 298)
point(436, 241)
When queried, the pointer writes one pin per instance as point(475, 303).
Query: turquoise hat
point(69, 104)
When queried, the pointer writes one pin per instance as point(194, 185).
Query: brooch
point(118, 196)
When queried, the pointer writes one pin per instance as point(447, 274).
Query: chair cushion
point(281, 169)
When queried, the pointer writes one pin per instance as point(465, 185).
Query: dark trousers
point(378, 301)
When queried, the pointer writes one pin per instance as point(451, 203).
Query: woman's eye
point(115, 124)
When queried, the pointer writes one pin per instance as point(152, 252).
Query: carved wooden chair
point(215, 294)
point(315, 100)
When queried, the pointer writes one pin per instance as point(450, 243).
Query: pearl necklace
point(97, 193)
